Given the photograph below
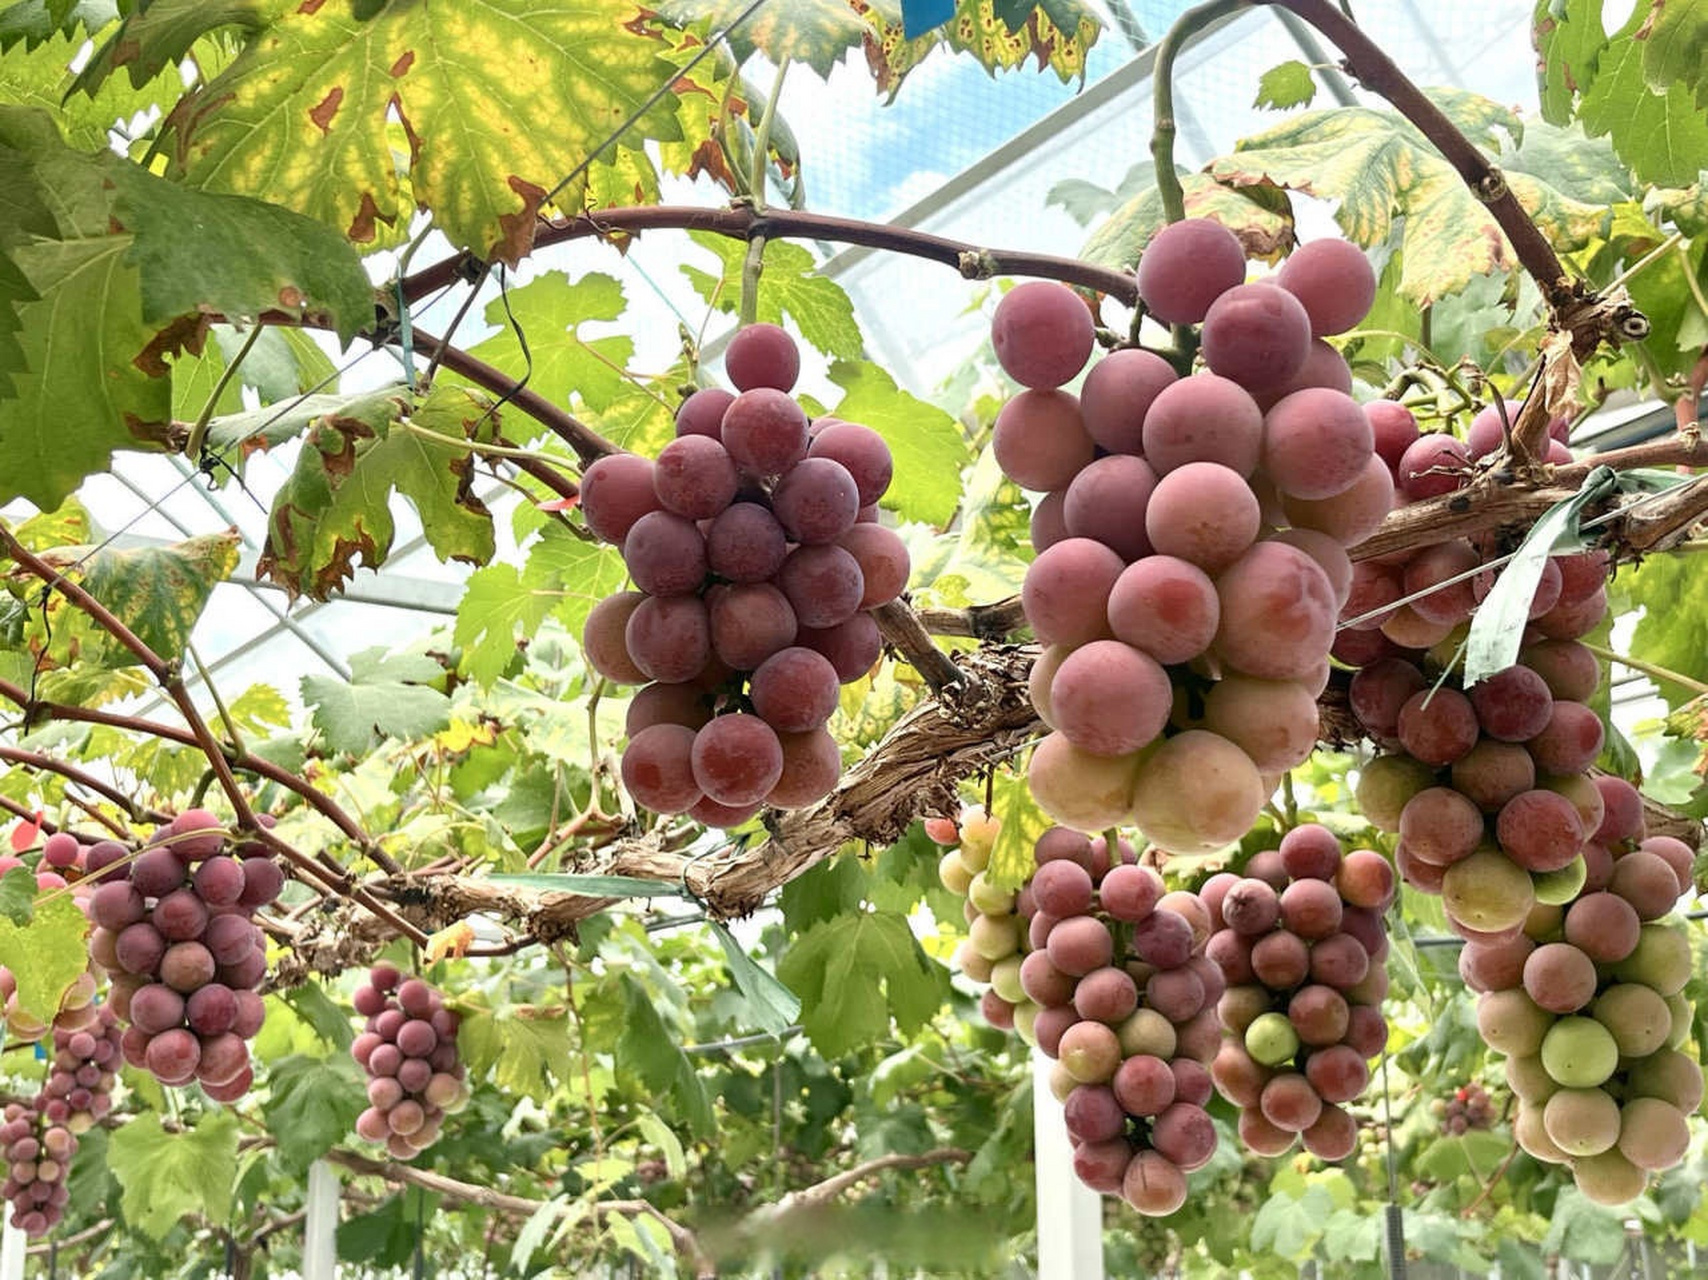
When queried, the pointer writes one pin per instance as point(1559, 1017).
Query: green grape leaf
point(386, 696)
point(36, 75)
point(1011, 803)
point(790, 284)
point(36, 22)
point(1283, 87)
point(1675, 47)
point(311, 1104)
point(160, 35)
point(1380, 168)
point(815, 32)
point(281, 363)
point(926, 443)
point(89, 389)
point(526, 1052)
point(1672, 634)
point(166, 1175)
point(335, 506)
point(501, 100)
point(47, 954)
point(201, 252)
point(331, 1022)
point(1662, 136)
point(649, 1053)
point(18, 895)
point(550, 309)
point(1582, 1229)
point(829, 889)
point(855, 973)
point(1259, 213)
point(1569, 38)
point(564, 576)
point(774, 1006)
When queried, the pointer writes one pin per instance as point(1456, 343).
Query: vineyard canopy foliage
point(679, 1039)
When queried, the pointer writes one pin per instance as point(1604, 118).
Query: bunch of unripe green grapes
point(1300, 941)
point(1587, 1003)
point(756, 555)
point(38, 1154)
point(174, 930)
point(1469, 1107)
point(409, 1050)
point(1096, 963)
point(1192, 531)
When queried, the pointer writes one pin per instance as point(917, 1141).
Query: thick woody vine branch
point(744, 222)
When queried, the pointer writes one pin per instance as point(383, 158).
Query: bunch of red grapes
point(1104, 970)
point(1300, 941)
point(174, 931)
point(1544, 868)
point(1469, 1108)
point(79, 1086)
point(756, 555)
point(409, 1050)
point(38, 1154)
point(1191, 538)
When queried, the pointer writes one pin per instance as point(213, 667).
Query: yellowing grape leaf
point(500, 101)
point(1259, 213)
point(158, 592)
point(1000, 34)
point(335, 506)
point(816, 32)
point(1380, 168)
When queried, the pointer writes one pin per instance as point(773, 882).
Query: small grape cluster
point(756, 555)
point(174, 930)
point(409, 1050)
point(1192, 535)
point(38, 1153)
point(78, 1090)
point(1300, 941)
point(1103, 969)
point(1469, 1108)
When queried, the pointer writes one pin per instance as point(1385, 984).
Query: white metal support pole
point(13, 1244)
point(320, 1226)
point(1070, 1214)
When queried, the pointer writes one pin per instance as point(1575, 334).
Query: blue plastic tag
point(920, 16)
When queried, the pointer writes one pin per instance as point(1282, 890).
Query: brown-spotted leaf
point(999, 34)
point(500, 100)
point(157, 592)
point(335, 508)
point(1380, 168)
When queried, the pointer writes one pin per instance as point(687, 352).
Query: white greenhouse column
point(1070, 1214)
point(320, 1227)
point(13, 1243)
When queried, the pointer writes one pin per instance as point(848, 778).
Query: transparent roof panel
point(960, 153)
